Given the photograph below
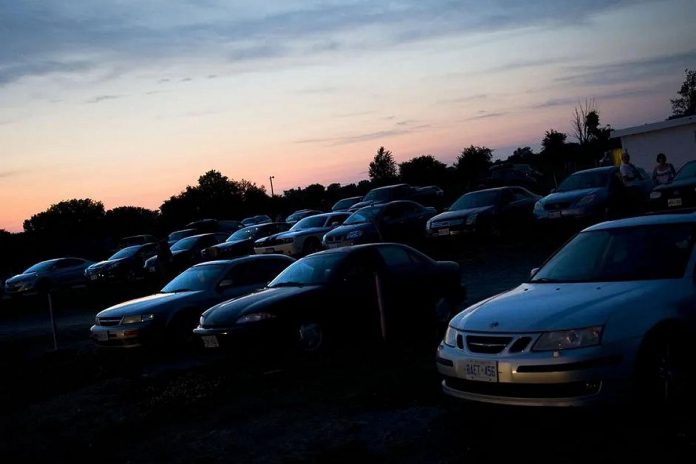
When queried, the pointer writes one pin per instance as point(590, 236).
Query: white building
point(676, 138)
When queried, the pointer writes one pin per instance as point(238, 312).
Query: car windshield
point(312, 270)
point(39, 267)
point(125, 252)
point(178, 235)
point(585, 180)
point(363, 215)
point(687, 171)
point(184, 244)
point(195, 278)
point(243, 234)
point(309, 222)
point(475, 200)
point(346, 203)
point(380, 194)
point(631, 253)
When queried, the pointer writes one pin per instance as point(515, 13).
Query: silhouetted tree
point(472, 164)
point(423, 170)
point(383, 168)
point(523, 155)
point(131, 220)
point(83, 215)
point(685, 104)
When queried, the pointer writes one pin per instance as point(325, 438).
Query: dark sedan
point(172, 313)
point(241, 243)
point(255, 220)
point(301, 214)
point(54, 274)
point(680, 193)
point(348, 295)
point(126, 264)
point(345, 203)
point(179, 234)
point(397, 221)
point(185, 253)
point(594, 194)
point(491, 211)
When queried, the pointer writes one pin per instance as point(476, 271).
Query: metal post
point(271, 180)
point(380, 306)
point(54, 330)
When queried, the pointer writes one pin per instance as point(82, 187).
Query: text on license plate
point(210, 341)
point(444, 231)
point(671, 202)
point(482, 371)
point(554, 214)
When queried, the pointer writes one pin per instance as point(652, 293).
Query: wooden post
point(54, 330)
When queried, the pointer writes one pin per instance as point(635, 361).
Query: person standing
point(629, 173)
point(664, 172)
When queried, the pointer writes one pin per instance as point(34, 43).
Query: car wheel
point(310, 337)
point(662, 373)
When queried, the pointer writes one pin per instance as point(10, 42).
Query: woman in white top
point(664, 172)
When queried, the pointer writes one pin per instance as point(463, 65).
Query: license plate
point(444, 231)
point(210, 341)
point(554, 214)
point(270, 250)
point(102, 336)
point(482, 371)
point(93, 277)
point(671, 202)
point(151, 269)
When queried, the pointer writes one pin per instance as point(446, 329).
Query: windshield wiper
point(545, 280)
point(289, 284)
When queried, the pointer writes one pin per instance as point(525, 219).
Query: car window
point(395, 256)
point(247, 273)
point(70, 262)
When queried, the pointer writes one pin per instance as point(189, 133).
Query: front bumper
point(259, 335)
point(124, 336)
point(579, 377)
point(287, 249)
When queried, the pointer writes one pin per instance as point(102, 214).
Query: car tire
point(662, 371)
point(310, 337)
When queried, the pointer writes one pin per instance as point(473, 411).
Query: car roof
point(357, 248)
point(655, 219)
point(600, 169)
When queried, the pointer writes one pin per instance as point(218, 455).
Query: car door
point(241, 280)
point(516, 208)
point(68, 271)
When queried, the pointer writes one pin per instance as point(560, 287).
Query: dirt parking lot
point(359, 405)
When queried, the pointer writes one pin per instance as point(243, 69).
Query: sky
point(128, 102)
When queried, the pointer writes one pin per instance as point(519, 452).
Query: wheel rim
point(310, 337)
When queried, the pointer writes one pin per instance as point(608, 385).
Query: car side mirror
point(533, 272)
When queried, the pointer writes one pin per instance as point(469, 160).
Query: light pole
point(271, 179)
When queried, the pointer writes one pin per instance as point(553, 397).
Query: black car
point(125, 264)
point(136, 240)
point(680, 193)
point(490, 211)
point(397, 221)
point(175, 310)
point(508, 174)
point(255, 220)
point(53, 274)
point(430, 195)
point(179, 234)
point(185, 253)
point(241, 243)
point(345, 203)
point(348, 295)
point(301, 214)
point(214, 225)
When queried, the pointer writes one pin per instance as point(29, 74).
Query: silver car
point(608, 316)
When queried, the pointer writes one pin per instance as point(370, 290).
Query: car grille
point(106, 321)
point(440, 224)
point(557, 206)
point(493, 344)
point(518, 390)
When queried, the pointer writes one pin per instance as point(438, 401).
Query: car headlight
point(288, 240)
point(586, 200)
point(471, 219)
point(450, 336)
point(137, 318)
point(568, 339)
point(655, 195)
point(538, 207)
point(354, 234)
point(255, 317)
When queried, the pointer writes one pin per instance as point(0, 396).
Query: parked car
point(255, 220)
point(301, 214)
point(214, 225)
point(185, 253)
point(241, 243)
point(594, 194)
point(680, 193)
point(174, 312)
point(345, 203)
point(612, 312)
point(331, 297)
point(179, 234)
point(53, 274)
point(303, 238)
point(491, 212)
point(522, 175)
point(397, 221)
point(126, 264)
point(136, 240)
point(430, 195)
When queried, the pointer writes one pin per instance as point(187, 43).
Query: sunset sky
point(127, 102)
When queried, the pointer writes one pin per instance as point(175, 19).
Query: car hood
point(232, 245)
point(22, 278)
point(302, 232)
point(341, 231)
point(688, 182)
point(461, 213)
point(540, 307)
point(102, 264)
point(158, 303)
point(571, 196)
point(268, 299)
